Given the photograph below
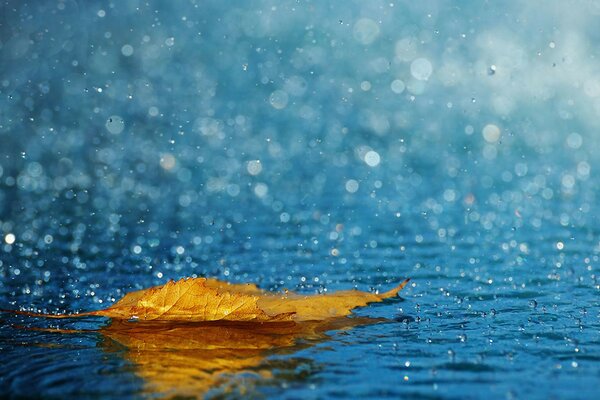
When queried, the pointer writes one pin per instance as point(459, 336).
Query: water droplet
point(365, 31)
point(491, 133)
point(397, 86)
point(153, 111)
point(127, 50)
point(533, 304)
point(279, 99)
point(115, 124)
point(451, 354)
point(421, 69)
point(9, 238)
point(372, 158)
point(254, 167)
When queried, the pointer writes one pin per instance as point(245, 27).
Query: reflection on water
point(193, 359)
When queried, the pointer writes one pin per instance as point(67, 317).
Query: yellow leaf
point(203, 300)
point(199, 334)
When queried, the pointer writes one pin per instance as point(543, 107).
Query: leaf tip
point(394, 291)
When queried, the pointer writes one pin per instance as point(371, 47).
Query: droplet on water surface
point(533, 303)
point(115, 124)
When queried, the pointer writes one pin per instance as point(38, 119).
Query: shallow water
point(303, 146)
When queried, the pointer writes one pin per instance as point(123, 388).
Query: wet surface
point(307, 147)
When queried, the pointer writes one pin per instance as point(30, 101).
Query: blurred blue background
point(316, 146)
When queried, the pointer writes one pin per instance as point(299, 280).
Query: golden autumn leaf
point(204, 300)
point(189, 337)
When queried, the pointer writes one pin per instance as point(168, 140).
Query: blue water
point(312, 146)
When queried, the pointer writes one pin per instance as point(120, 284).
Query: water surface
point(307, 146)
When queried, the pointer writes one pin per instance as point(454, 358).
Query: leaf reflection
point(188, 360)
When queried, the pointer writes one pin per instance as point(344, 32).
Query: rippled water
point(312, 147)
point(480, 318)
